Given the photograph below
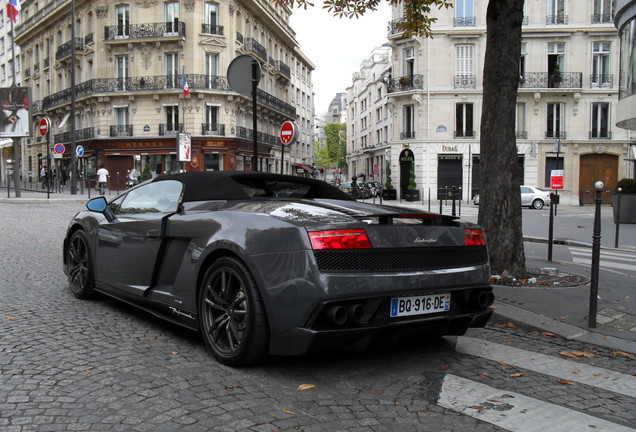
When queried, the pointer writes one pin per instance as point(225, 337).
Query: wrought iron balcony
point(89, 39)
point(121, 130)
point(170, 128)
point(602, 81)
point(551, 80)
point(464, 134)
point(603, 18)
point(264, 138)
point(464, 22)
point(282, 68)
point(252, 45)
point(465, 81)
point(556, 19)
point(212, 29)
point(601, 134)
point(392, 27)
point(555, 134)
point(80, 135)
point(65, 49)
point(212, 129)
point(405, 83)
point(145, 31)
point(407, 135)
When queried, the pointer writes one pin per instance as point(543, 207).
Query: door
point(595, 167)
point(122, 20)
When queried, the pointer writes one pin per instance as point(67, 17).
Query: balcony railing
point(601, 134)
point(121, 130)
point(89, 39)
point(282, 68)
point(464, 22)
point(252, 45)
point(555, 134)
point(392, 27)
point(144, 31)
point(407, 135)
point(551, 80)
point(156, 83)
point(212, 29)
point(603, 18)
point(464, 134)
point(170, 128)
point(80, 135)
point(405, 83)
point(65, 49)
point(556, 19)
point(212, 129)
point(465, 81)
point(602, 81)
point(243, 132)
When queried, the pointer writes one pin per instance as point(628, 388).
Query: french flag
point(13, 9)
point(186, 88)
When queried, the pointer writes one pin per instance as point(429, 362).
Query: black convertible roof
point(230, 185)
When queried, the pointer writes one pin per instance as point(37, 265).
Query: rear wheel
point(80, 276)
point(232, 317)
point(537, 204)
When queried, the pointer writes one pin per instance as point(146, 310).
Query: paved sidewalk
point(560, 311)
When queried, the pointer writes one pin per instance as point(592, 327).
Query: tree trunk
point(500, 203)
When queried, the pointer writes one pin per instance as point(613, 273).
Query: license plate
point(420, 305)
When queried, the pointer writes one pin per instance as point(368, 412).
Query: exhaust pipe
point(485, 299)
point(356, 313)
point(335, 315)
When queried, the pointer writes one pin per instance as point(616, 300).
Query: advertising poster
point(16, 115)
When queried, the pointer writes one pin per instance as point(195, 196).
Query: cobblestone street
point(100, 365)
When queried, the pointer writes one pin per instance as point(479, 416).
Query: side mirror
point(98, 204)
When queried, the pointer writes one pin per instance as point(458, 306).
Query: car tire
point(537, 204)
point(81, 280)
point(232, 317)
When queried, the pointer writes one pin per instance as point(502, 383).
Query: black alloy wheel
point(80, 275)
point(233, 320)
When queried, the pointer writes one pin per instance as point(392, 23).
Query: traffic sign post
point(288, 135)
point(44, 128)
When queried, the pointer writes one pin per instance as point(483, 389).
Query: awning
point(6, 142)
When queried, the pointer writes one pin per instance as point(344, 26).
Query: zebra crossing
point(613, 260)
point(517, 412)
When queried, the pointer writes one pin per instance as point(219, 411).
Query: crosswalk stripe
point(547, 365)
point(605, 254)
point(606, 264)
point(516, 412)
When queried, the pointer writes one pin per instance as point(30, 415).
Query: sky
point(337, 46)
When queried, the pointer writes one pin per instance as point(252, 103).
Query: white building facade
point(566, 109)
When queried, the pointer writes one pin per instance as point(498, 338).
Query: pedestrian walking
point(43, 177)
point(62, 178)
point(102, 178)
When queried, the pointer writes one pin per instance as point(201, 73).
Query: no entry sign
point(45, 125)
point(288, 132)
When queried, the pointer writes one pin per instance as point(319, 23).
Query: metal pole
point(596, 252)
point(282, 157)
point(618, 217)
point(17, 155)
point(255, 79)
point(551, 227)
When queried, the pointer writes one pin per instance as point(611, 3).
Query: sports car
point(266, 264)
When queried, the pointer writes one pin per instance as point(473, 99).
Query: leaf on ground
point(516, 375)
point(621, 353)
point(576, 371)
point(548, 334)
point(443, 368)
point(576, 354)
point(286, 411)
point(566, 382)
point(10, 318)
point(304, 387)
point(87, 371)
point(503, 363)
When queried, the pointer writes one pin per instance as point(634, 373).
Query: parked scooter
point(132, 179)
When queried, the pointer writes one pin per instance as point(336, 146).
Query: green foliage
point(145, 174)
point(412, 185)
point(336, 144)
point(627, 185)
point(387, 184)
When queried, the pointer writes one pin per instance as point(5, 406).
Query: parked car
point(265, 263)
point(363, 192)
point(374, 187)
point(532, 197)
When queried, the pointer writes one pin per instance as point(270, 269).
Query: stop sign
point(288, 132)
point(45, 125)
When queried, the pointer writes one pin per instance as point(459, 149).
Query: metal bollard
point(596, 255)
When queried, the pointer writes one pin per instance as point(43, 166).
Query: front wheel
point(537, 204)
point(80, 276)
point(232, 317)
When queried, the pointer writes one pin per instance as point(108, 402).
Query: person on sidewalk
point(102, 178)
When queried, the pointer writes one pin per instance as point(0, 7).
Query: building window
point(212, 70)
point(409, 62)
point(121, 65)
point(211, 19)
point(122, 20)
point(600, 120)
point(556, 53)
point(464, 126)
point(520, 121)
point(464, 13)
point(172, 70)
point(556, 12)
point(408, 126)
point(601, 76)
point(464, 66)
point(211, 126)
point(555, 127)
point(172, 17)
point(522, 62)
point(603, 12)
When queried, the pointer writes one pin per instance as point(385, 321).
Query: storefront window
point(628, 60)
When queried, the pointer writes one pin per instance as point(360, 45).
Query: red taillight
point(340, 239)
point(475, 237)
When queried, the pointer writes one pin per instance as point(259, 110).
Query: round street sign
point(45, 125)
point(59, 148)
point(79, 151)
point(288, 132)
point(242, 70)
